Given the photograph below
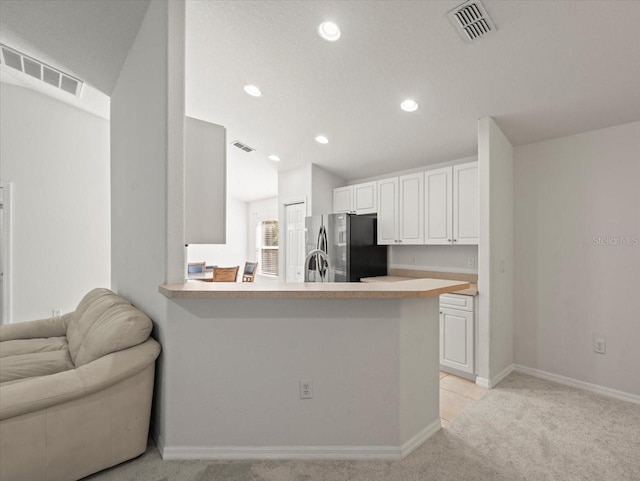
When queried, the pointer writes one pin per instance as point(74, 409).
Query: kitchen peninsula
point(363, 356)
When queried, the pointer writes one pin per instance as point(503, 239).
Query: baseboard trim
point(586, 386)
point(416, 441)
point(482, 382)
point(501, 375)
point(493, 382)
point(300, 452)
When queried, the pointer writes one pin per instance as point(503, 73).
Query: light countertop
point(412, 288)
point(472, 290)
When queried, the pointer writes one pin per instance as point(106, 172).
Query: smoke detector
point(39, 70)
point(242, 146)
point(471, 20)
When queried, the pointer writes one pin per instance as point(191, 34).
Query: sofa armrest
point(51, 327)
point(34, 394)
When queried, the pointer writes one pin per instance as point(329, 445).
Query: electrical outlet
point(600, 346)
point(306, 389)
point(471, 262)
point(55, 312)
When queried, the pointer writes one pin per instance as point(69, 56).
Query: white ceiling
point(551, 69)
point(88, 39)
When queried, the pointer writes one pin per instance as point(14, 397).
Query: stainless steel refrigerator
point(350, 241)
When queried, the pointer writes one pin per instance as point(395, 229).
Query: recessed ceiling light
point(329, 31)
point(321, 139)
point(275, 158)
point(409, 105)
point(253, 90)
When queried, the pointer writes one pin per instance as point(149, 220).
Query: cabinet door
point(456, 339)
point(205, 190)
point(438, 206)
point(364, 198)
point(343, 199)
point(465, 204)
point(388, 211)
point(411, 207)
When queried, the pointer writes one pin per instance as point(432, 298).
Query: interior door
point(295, 214)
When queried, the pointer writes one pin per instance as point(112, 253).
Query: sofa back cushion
point(104, 323)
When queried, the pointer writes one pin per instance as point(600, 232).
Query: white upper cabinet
point(451, 205)
point(365, 197)
point(411, 209)
point(205, 189)
point(359, 198)
point(438, 206)
point(343, 199)
point(388, 211)
point(465, 204)
point(400, 210)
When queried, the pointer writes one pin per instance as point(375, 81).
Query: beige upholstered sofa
point(76, 390)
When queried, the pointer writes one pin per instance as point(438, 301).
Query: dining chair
point(196, 267)
point(249, 273)
point(225, 274)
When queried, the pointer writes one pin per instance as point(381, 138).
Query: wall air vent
point(241, 146)
point(471, 20)
point(41, 71)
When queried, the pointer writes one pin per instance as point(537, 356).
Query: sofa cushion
point(104, 323)
point(28, 346)
point(34, 364)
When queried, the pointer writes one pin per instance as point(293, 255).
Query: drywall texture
point(495, 250)
point(57, 157)
point(577, 247)
point(147, 116)
point(234, 251)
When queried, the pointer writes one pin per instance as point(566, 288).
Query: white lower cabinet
point(457, 321)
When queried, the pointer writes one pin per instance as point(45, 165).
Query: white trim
point(299, 452)
point(493, 382)
point(482, 382)
point(586, 386)
point(501, 375)
point(417, 440)
point(7, 294)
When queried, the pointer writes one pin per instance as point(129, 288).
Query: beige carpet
point(525, 429)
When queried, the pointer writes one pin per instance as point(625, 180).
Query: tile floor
point(456, 395)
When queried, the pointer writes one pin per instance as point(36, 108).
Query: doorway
point(294, 215)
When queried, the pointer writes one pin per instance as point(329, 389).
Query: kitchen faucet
point(325, 258)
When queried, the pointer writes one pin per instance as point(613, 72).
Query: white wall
point(57, 157)
point(234, 251)
point(433, 258)
point(495, 250)
point(570, 288)
point(322, 184)
point(147, 118)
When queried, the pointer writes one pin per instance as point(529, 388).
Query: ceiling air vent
point(471, 20)
point(41, 71)
point(241, 146)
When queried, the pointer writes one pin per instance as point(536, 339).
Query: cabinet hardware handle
point(455, 240)
point(448, 240)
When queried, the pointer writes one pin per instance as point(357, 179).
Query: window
point(268, 247)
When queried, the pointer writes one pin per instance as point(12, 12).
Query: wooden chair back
point(249, 273)
point(225, 274)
